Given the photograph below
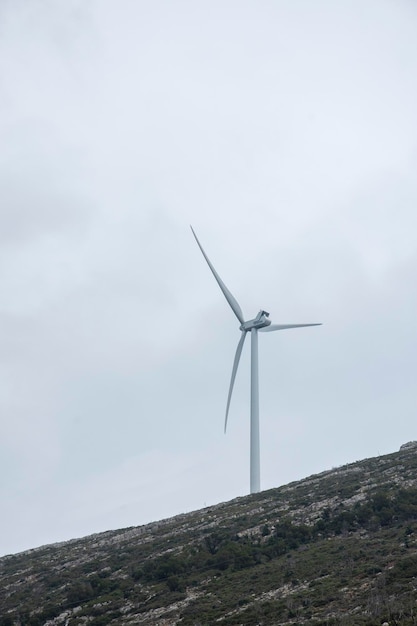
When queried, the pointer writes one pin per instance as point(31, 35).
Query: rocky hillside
point(336, 548)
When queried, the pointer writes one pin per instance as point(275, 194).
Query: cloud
point(286, 135)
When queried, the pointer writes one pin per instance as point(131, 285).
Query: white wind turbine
point(260, 322)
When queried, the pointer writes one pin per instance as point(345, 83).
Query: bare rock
point(408, 445)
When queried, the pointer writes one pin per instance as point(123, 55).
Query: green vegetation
point(337, 548)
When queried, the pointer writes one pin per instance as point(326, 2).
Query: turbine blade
point(271, 327)
point(229, 297)
point(234, 370)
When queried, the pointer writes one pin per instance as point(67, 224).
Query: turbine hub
point(260, 321)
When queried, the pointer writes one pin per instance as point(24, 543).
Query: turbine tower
point(262, 323)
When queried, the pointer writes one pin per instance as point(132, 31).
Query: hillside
point(339, 547)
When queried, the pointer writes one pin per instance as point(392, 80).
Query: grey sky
point(285, 132)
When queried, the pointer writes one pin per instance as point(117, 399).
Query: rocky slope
point(339, 547)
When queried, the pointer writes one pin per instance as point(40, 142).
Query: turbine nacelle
point(260, 321)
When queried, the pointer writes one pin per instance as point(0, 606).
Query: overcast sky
point(285, 132)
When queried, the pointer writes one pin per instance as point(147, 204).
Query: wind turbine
point(262, 323)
